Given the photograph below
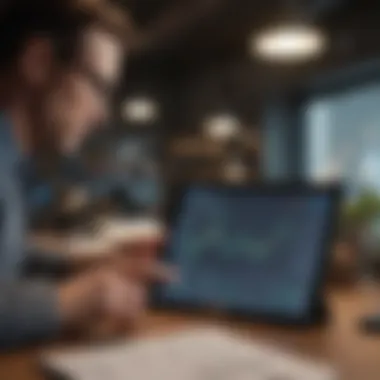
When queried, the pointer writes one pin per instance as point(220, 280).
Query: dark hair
point(62, 21)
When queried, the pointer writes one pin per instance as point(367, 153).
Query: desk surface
point(356, 355)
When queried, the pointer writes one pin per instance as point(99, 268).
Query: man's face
point(79, 101)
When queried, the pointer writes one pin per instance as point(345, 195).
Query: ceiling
point(191, 32)
point(198, 49)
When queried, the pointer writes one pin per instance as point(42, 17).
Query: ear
point(36, 62)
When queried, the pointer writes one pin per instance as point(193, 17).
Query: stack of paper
point(134, 230)
point(202, 354)
point(111, 233)
point(84, 245)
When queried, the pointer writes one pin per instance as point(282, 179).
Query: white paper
point(130, 230)
point(80, 246)
point(201, 354)
point(109, 235)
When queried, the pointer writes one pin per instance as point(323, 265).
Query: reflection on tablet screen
point(248, 251)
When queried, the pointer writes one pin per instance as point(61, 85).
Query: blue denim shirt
point(28, 309)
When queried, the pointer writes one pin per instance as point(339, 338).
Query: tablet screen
point(248, 250)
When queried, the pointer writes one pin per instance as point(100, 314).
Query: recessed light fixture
point(140, 110)
point(289, 43)
point(221, 127)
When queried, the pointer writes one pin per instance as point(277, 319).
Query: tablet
point(258, 251)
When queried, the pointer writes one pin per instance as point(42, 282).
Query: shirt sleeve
point(46, 265)
point(28, 313)
point(29, 310)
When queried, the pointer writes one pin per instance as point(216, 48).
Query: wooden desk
point(356, 356)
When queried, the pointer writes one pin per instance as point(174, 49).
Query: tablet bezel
point(317, 312)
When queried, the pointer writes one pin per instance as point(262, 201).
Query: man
point(59, 62)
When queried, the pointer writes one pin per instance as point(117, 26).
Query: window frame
point(292, 104)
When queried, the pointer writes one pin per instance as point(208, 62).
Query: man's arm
point(28, 310)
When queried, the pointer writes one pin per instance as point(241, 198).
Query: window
point(342, 139)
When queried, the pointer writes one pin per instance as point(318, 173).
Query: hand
point(138, 260)
point(100, 300)
point(143, 242)
point(142, 268)
point(122, 298)
point(108, 294)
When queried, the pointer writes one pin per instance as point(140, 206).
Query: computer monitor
point(257, 251)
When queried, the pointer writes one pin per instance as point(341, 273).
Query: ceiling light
point(140, 110)
point(293, 42)
point(221, 127)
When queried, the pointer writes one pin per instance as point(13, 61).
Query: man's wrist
point(79, 301)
